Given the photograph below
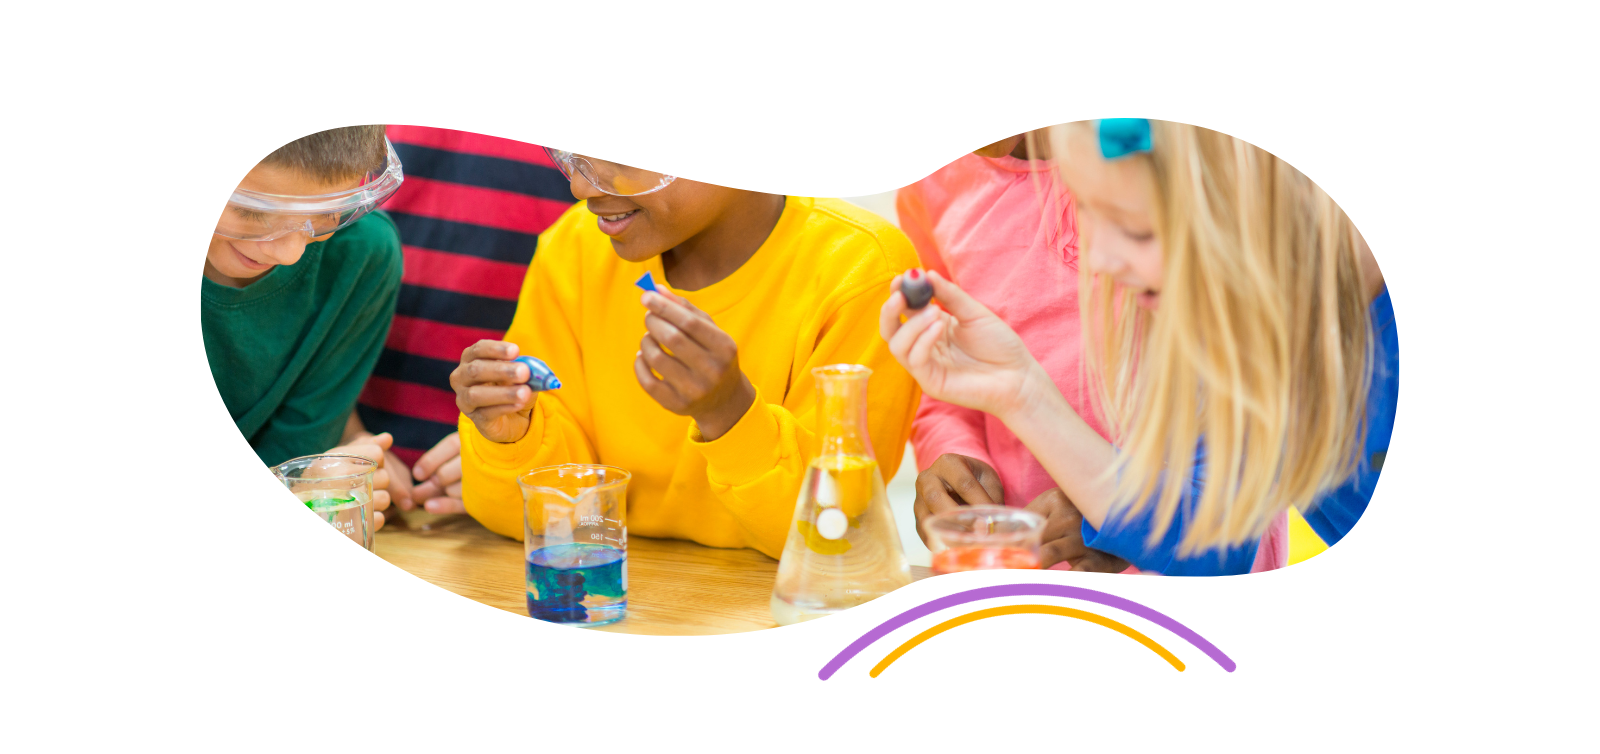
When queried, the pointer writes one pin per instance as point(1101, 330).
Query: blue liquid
point(577, 583)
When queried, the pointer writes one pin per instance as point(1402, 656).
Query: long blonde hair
point(1261, 349)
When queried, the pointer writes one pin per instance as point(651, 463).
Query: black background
point(1336, 618)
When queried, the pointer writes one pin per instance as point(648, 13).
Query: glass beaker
point(575, 540)
point(984, 537)
point(338, 488)
point(843, 549)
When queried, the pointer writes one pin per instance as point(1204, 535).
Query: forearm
point(1077, 458)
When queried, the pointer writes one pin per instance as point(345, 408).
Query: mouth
point(613, 225)
point(247, 262)
point(1148, 299)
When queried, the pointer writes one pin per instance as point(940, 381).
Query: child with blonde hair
point(999, 223)
point(1238, 334)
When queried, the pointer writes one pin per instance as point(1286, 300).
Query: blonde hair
point(1261, 349)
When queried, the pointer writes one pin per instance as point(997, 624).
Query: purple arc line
point(1024, 590)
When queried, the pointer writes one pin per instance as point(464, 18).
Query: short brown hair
point(334, 155)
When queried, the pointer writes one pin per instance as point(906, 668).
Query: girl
point(1238, 333)
point(999, 224)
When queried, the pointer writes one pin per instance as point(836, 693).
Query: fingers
point(487, 402)
point(957, 476)
point(919, 508)
point(673, 367)
point(889, 315)
point(1067, 548)
point(920, 354)
point(380, 500)
point(914, 327)
point(988, 478)
point(1095, 561)
point(932, 492)
point(442, 452)
point(380, 479)
point(490, 349)
point(447, 477)
point(659, 391)
point(955, 300)
point(444, 505)
point(683, 316)
point(487, 372)
point(378, 520)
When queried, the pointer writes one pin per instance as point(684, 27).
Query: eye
point(1140, 237)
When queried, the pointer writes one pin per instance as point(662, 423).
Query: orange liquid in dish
point(983, 559)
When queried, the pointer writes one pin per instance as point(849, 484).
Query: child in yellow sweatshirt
point(705, 394)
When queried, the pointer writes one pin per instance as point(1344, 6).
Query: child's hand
point(690, 366)
point(1063, 536)
point(439, 477)
point(373, 448)
point(966, 355)
point(492, 390)
point(953, 481)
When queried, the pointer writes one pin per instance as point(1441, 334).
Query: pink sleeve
point(947, 428)
point(912, 212)
point(940, 427)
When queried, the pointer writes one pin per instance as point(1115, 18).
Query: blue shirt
point(1331, 516)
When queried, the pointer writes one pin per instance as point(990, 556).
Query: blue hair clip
point(1120, 137)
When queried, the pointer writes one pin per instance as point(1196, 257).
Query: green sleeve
point(363, 265)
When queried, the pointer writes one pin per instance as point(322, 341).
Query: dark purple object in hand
point(915, 287)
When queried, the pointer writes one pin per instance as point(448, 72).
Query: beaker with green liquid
point(843, 549)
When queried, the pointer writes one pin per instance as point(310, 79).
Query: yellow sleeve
point(757, 467)
point(561, 427)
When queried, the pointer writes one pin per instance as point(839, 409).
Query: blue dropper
point(540, 376)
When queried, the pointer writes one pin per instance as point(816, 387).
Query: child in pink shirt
point(1004, 229)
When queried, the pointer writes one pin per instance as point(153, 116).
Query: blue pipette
point(540, 376)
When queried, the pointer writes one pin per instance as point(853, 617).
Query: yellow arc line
point(1068, 612)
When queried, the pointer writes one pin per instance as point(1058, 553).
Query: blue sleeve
point(1336, 513)
point(1332, 516)
point(1124, 536)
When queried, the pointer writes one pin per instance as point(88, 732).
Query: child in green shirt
point(295, 314)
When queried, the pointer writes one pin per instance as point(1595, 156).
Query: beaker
point(843, 549)
point(338, 488)
point(984, 537)
point(575, 541)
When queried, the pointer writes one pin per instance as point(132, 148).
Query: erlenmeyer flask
point(843, 549)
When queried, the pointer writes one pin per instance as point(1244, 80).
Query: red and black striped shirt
point(469, 214)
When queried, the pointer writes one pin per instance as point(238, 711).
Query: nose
point(582, 189)
point(1099, 252)
point(288, 249)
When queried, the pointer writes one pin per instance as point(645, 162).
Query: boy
point(292, 313)
point(706, 394)
point(469, 216)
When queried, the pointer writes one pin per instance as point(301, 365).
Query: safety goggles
point(609, 177)
point(257, 216)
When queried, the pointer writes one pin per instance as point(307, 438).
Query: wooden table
point(675, 588)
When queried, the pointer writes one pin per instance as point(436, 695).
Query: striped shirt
point(469, 214)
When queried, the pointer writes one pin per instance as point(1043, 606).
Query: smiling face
point(643, 227)
point(1115, 221)
point(237, 263)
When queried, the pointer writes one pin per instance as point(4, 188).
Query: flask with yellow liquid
point(843, 549)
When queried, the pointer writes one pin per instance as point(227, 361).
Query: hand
point(373, 448)
point(439, 477)
point(953, 481)
point(690, 366)
point(1063, 537)
point(492, 390)
point(966, 356)
point(399, 476)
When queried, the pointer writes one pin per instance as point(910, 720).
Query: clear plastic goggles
point(609, 177)
point(256, 216)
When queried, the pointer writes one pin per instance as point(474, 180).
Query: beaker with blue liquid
point(575, 539)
